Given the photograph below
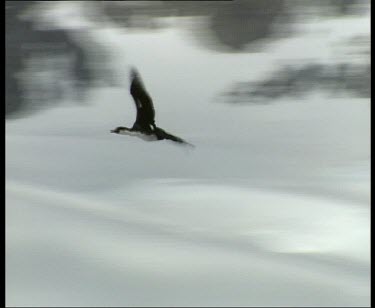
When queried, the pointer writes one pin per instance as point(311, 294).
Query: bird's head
point(120, 130)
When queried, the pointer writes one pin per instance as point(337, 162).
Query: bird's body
point(144, 126)
point(134, 133)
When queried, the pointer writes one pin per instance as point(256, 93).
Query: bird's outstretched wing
point(143, 102)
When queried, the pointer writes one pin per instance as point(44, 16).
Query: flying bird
point(144, 125)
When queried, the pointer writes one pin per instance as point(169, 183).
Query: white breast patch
point(139, 135)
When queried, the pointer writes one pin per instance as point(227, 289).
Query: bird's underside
point(155, 135)
point(144, 126)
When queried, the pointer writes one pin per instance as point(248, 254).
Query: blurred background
point(46, 59)
point(272, 208)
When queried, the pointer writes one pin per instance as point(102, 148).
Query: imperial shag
point(144, 125)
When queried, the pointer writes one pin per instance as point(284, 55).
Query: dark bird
point(144, 125)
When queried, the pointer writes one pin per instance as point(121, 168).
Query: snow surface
point(270, 209)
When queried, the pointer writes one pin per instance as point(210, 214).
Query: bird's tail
point(162, 134)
